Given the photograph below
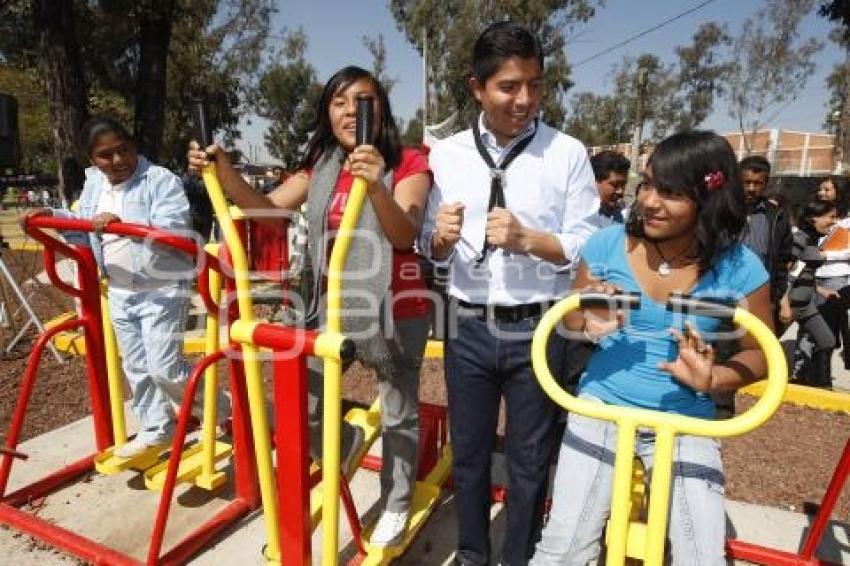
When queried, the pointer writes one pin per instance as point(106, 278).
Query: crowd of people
point(517, 214)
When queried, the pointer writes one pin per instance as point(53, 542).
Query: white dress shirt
point(549, 187)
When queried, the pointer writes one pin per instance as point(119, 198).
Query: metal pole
point(642, 77)
point(25, 304)
point(424, 80)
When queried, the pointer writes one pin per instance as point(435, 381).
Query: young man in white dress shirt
point(511, 206)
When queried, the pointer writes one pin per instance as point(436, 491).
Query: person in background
point(836, 190)
point(200, 206)
point(272, 179)
point(683, 235)
point(391, 341)
point(768, 230)
point(815, 221)
point(148, 285)
point(611, 170)
point(833, 277)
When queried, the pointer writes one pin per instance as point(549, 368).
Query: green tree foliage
point(287, 95)
point(678, 96)
point(378, 51)
point(838, 83)
point(837, 119)
point(596, 119)
point(451, 27)
point(33, 118)
point(609, 119)
point(664, 105)
point(703, 72)
point(770, 63)
point(412, 132)
point(838, 12)
point(212, 50)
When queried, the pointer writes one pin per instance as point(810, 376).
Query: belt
point(514, 313)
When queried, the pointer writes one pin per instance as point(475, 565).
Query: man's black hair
point(608, 161)
point(501, 41)
point(680, 165)
point(756, 164)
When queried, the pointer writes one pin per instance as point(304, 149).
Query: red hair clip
point(715, 180)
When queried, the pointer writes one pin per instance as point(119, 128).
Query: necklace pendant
point(663, 269)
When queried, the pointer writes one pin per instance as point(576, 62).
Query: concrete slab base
point(118, 511)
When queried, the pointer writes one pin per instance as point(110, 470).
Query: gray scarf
point(366, 278)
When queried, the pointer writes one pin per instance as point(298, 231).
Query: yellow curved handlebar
point(253, 373)
point(332, 401)
point(667, 426)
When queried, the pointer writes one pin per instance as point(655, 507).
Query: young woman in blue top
point(682, 237)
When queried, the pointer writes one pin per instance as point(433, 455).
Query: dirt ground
point(787, 463)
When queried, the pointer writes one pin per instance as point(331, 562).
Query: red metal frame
point(290, 392)
point(292, 445)
point(771, 556)
point(291, 438)
point(222, 520)
point(246, 488)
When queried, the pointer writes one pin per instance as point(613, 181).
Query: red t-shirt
point(407, 274)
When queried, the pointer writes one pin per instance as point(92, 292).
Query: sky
point(335, 29)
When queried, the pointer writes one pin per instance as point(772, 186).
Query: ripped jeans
point(582, 496)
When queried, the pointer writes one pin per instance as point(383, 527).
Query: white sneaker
point(136, 446)
point(390, 529)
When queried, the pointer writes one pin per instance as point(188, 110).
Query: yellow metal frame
point(647, 542)
point(332, 396)
point(251, 364)
point(241, 331)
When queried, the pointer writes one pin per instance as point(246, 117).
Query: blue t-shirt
point(624, 369)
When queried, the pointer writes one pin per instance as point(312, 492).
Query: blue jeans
point(149, 326)
point(582, 498)
point(485, 361)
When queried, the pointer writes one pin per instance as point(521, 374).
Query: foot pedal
point(425, 499)
point(370, 421)
point(191, 466)
point(107, 463)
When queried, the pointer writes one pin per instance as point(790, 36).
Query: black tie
point(497, 174)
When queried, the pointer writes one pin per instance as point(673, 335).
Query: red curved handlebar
point(35, 226)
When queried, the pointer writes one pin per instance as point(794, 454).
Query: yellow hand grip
point(332, 401)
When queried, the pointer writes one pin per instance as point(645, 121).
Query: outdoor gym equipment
point(106, 393)
point(635, 539)
point(288, 533)
point(330, 345)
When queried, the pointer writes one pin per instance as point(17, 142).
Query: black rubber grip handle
point(365, 119)
point(687, 304)
point(202, 128)
point(621, 300)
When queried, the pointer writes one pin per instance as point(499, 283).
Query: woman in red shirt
point(385, 308)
